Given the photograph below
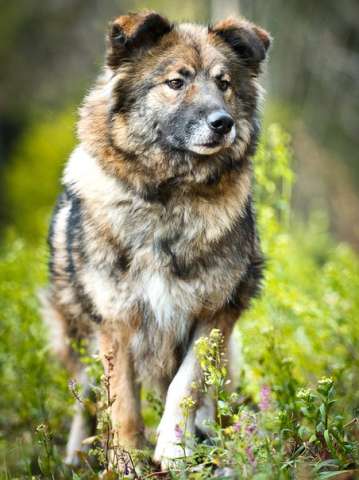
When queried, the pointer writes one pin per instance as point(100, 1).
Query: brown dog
point(153, 242)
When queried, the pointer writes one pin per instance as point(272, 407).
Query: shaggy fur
point(153, 242)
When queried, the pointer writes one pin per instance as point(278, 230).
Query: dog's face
point(194, 100)
point(185, 93)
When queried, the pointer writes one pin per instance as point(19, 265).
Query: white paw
point(72, 459)
point(168, 450)
point(171, 445)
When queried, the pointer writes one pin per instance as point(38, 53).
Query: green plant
point(32, 179)
point(283, 421)
point(289, 429)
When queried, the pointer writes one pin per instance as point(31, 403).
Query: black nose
point(220, 122)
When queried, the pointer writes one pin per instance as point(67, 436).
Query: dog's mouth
point(202, 141)
point(213, 144)
point(207, 148)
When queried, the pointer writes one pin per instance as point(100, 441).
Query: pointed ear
point(247, 40)
point(134, 31)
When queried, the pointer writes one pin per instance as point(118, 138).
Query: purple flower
point(265, 398)
point(237, 426)
point(251, 457)
point(251, 428)
point(178, 432)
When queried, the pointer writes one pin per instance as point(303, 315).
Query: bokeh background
point(306, 323)
point(51, 51)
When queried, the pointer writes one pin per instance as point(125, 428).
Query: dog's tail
point(58, 331)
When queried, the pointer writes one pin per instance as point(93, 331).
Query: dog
point(153, 242)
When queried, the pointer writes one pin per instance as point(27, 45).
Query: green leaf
point(322, 410)
point(326, 475)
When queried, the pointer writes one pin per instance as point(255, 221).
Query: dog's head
point(184, 92)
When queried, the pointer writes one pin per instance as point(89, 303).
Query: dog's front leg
point(175, 425)
point(124, 391)
point(170, 445)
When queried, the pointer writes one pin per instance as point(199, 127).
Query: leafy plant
point(294, 413)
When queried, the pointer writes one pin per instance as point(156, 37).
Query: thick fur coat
point(153, 241)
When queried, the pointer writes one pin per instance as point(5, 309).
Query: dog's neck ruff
point(85, 175)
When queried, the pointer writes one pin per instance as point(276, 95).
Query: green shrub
point(294, 413)
point(33, 388)
point(32, 180)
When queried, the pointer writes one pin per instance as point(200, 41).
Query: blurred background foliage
point(50, 53)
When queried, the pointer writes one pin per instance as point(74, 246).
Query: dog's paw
point(168, 451)
point(72, 459)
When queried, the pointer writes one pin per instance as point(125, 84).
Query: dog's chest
point(163, 278)
point(161, 273)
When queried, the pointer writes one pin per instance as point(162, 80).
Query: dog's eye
point(176, 83)
point(223, 85)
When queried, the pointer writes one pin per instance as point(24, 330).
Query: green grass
point(294, 415)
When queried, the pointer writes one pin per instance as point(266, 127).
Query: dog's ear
point(129, 33)
point(247, 40)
